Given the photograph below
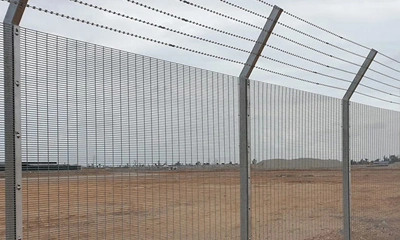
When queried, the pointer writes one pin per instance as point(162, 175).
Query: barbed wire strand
point(387, 66)
point(168, 44)
point(159, 26)
point(380, 99)
point(309, 60)
point(191, 22)
point(237, 36)
point(293, 29)
point(221, 14)
point(245, 9)
point(257, 27)
point(328, 66)
point(190, 50)
point(320, 40)
point(386, 56)
point(206, 40)
point(316, 26)
point(268, 70)
point(383, 83)
point(210, 41)
point(383, 74)
point(307, 70)
point(300, 79)
point(378, 90)
point(315, 50)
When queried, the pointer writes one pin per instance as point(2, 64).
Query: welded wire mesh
point(375, 141)
point(124, 146)
point(296, 175)
point(2, 149)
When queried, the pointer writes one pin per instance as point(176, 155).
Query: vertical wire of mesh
point(296, 170)
point(2, 144)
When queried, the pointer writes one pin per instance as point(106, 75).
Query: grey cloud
point(347, 19)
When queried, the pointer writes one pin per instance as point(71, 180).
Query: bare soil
point(302, 204)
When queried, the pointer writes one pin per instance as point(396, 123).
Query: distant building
point(383, 163)
point(44, 166)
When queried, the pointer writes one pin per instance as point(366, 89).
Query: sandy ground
point(205, 205)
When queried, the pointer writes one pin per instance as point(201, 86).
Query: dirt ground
point(100, 204)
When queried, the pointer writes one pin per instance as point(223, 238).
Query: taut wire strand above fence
point(315, 50)
point(386, 66)
point(185, 48)
point(388, 57)
point(385, 75)
point(316, 26)
point(237, 36)
point(189, 21)
point(294, 29)
point(222, 15)
point(207, 40)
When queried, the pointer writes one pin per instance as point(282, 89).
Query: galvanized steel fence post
point(346, 143)
point(12, 119)
point(244, 123)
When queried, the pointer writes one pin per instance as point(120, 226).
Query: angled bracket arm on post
point(15, 11)
point(361, 72)
point(244, 123)
point(346, 142)
point(261, 42)
point(12, 118)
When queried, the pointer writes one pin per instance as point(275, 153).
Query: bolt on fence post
point(12, 119)
point(346, 143)
point(244, 123)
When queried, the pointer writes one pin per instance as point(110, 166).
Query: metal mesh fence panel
point(375, 188)
point(123, 146)
point(2, 157)
point(117, 145)
point(296, 177)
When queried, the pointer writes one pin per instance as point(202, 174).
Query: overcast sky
point(309, 123)
point(370, 23)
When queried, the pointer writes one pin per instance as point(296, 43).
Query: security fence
point(118, 145)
